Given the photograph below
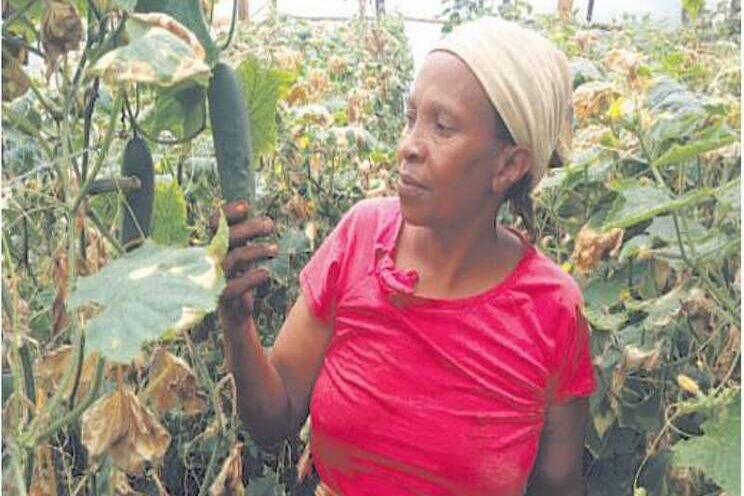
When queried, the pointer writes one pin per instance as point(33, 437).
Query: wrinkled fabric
point(527, 79)
point(427, 396)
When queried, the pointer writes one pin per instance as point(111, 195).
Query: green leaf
point(716, 453)
point(584, 71)
point(144, 294)
point(188, 13)
point(180, 110)
point(600, 319)
point(169, 215)
point(692, 7)
point(710, 139)
point(154, 55)
point(638, 202)
point(262, 87)
point(266, 486)
point(729, 200)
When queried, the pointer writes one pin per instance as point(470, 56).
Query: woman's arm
point(272, 391)
point(558, 466)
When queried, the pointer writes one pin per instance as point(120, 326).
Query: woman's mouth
point(409, 187)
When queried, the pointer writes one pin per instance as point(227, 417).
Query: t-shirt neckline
point(399, 283)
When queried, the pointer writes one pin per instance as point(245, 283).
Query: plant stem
point(75, 412)
point(118, 104)
point(28, 372)
point(78, 371)
point(15, 454)
point(105, 232)
point(56, 398)
point(17, 15)
point(210, 467)
point(232, 26)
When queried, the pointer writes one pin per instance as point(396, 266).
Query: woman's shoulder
point(546, 282)
point(372, 209)
point(371, 218)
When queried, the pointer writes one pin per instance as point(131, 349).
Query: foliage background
point(646, 217)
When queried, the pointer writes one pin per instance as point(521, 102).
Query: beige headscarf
point(527, 80)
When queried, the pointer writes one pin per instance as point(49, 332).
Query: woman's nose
point(410, 148)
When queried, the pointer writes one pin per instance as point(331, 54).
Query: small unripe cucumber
point(137, 219)
point(228, 115)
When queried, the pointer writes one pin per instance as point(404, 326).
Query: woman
point(436, 351)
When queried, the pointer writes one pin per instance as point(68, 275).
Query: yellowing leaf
point(138, 304)
point(119, 425)
point(161, 52)
point(689, 385)
point(173, 385)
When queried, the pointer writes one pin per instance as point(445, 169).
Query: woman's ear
point(514, 162)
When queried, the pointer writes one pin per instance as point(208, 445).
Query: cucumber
point(228, 115)
point(137, 219)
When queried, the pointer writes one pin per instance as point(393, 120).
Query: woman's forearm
point(263, 402)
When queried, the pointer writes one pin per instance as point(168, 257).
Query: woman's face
point(449, 152)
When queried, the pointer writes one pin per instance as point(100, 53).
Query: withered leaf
point(119, 484)
point(229, 482)
point(591, 246)
point(51, 367)
point(44, 481)
point(591, 99)
point(61, 30)
point(14, 79)
point(173, 385)
point(119, 425)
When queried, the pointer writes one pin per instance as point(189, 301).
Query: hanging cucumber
point(228, 116)
point(136, 224)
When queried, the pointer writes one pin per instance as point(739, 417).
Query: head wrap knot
point(527, 79)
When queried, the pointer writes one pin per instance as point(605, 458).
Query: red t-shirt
point(428, 396)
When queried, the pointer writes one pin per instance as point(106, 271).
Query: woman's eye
point(443, 126)
point(410, 119)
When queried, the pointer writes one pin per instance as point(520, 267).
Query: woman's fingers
point(239, 258)
point(235, 212)
point(242, 232)
point(248, 281)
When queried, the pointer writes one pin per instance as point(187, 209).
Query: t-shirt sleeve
point(575, 374)
point(320, 278)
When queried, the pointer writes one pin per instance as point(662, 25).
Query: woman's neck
point(457, 261)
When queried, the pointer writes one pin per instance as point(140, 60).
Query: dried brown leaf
point(119, 484)
point(324, 490)
point(592, 99)
point(298, 94)
point(44, 480)
point(173, 385)
point(229, 481)
point(14, 79)
point(728, 354)
point(50, 368)
point(622, 61)
point(304, 464)
point(591, 246)
point(635, 359)
point(61, 30)
point(119, 425)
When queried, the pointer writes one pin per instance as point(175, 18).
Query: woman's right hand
point(241, 274)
